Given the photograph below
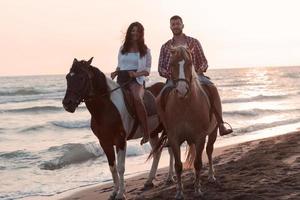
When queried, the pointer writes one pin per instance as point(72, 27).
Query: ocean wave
point(75, 153)
point(243, 83)
point(19, 154)
point(72, 153)
point(255, 98)
point(137, 150)
point(24, 91)
point(33, 128)
point(34, 97)
point(291, 75)
point(261, 126)
point(257, 112)
point(35, 109)
point(71, 124)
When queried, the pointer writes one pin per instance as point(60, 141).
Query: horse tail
point(190, 156)
point(160, 145)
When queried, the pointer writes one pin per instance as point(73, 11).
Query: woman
point(135, 60)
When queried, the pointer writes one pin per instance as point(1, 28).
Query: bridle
point(92, 94)
point(188, 82)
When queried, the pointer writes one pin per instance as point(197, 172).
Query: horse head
point(84, 82)
point(182, 70)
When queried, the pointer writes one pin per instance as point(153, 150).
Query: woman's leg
point(137, 91)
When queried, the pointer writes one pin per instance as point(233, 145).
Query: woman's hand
point(133, 74)
point(137, 74)
point(113, 75)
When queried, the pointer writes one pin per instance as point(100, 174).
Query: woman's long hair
point(141, 42)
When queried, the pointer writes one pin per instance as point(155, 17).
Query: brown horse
point(110, 119)
point(186, 117)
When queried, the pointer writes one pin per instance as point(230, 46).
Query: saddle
point(148, 99)
point(149, 102)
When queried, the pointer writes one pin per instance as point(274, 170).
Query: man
point(199, 62)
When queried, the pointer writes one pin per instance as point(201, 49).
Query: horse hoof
point(121, 197)
point(112, 197)
point(198, 193)
point(212, 179)
point(148, 185)
point(179, 196)
point(170, 181)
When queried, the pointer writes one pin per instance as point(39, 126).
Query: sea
point(46, 151)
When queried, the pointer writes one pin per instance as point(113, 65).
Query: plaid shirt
point(198, 58)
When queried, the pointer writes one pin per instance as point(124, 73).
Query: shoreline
point(223, 156)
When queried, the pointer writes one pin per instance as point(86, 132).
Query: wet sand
point(262, 169)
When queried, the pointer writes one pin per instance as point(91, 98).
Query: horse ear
point(75, 60)
point(90, 60)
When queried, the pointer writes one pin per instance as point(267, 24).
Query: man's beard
point(177, 32)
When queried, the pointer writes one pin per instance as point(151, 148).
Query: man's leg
point(216, 104)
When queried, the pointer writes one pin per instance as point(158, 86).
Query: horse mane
point(99, 81)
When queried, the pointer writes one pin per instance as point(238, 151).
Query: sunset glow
point(43, 37)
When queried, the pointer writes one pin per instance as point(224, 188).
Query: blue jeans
point(204, 80)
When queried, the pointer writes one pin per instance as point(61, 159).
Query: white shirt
point(133, 61)
point(128, 61)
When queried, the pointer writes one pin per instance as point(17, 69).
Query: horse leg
point(198, 165)
point(178, 168)
point(110, 154)
point(170, 178)
point(156, 157)
point(209, 150)
point(121, 155)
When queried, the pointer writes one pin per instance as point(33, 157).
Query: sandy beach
point(262, 169)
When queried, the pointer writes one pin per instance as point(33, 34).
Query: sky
point(44, 36)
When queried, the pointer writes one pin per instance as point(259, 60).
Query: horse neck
point(99, 105)
point(197, 89)
point(94, 105)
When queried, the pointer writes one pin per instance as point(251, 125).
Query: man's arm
point(201, 64)
point(162, 68)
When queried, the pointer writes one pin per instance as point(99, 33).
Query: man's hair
point(175, 17)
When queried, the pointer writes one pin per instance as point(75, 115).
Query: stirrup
point(225, 131)
point(228, 125)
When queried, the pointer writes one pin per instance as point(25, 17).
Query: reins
point(108, 92)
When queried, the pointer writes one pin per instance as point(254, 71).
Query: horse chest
point(106, 121)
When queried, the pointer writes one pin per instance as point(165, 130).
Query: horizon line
point(215, 68)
